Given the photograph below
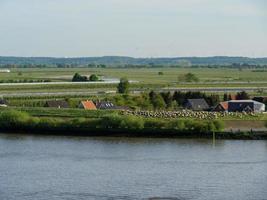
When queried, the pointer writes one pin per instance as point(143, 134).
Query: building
point(240, 106)
point(221, 107)
point(106, 105)
point(196, 104)
point(87, 105)
point(57, 104)
point(245, 106)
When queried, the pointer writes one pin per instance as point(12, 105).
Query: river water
point(49, 168)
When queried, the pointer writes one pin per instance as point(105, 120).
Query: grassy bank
point(106, 124)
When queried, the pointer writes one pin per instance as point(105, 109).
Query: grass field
point(147, 78)
point(144, 75)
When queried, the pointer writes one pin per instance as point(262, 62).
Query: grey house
point(196, 104)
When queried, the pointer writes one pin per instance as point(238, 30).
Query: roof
point(88, 105)
point(197, 104)
point(245, 101)
point(104, 105)
point(57, 104)
point(224, 105)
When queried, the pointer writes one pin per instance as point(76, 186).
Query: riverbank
point(115, 124)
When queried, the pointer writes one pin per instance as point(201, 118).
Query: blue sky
point(139, 28)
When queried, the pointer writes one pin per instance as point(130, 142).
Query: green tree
point(242, 96)
point(123, 86)
point(189, 77)
point(93, 77)
point(78, 78)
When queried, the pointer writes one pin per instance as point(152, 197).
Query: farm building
point(240, 106)
point(196, 104)
point(87, 105)
point(57, 104)
point(245, 106)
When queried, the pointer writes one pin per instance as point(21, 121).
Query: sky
point(137, 28)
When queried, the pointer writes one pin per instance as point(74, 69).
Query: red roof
point(88, 105)
point(224, 105)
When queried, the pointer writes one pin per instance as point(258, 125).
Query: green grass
point(76, 113)
point(144, 75)
point(148, 79)
point(66, 113)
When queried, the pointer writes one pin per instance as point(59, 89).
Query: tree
point(78, 78)
point(225, 97)
point(93, 77)
point(156, 100)
point(167, 97)
point(189, 77)
point(123, 86)
point(242, 96)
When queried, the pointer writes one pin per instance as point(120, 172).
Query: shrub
point(155, 124)
point(219, 125)
point(93, 77)
point(13, 119)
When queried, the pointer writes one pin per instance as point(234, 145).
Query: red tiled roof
point(88, 105)
point(224, 105)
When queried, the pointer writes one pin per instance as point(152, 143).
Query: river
point(51, 168)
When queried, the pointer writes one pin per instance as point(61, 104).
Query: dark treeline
point(131, 62)
point(253, 67)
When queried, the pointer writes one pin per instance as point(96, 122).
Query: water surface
point(118, 168)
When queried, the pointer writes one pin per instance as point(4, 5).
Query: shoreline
point(170, 134)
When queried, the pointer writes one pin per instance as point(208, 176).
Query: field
point(146, 78)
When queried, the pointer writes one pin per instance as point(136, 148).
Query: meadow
point(146, 79)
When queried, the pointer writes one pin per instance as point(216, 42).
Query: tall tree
point(123, 86)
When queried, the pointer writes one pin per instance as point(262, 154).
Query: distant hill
point(119, 60)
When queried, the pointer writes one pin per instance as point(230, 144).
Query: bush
point(78, 78)
point(155, 124)
point(93, 77)
point(13, 119)
point(219, 125)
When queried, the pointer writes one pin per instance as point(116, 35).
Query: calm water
point(33, 168)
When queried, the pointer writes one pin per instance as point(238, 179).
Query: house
point(57, 104)
point(196, 104)
point(221, 107)
point(87, 105)
point(245, 106)
point(3, 103)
